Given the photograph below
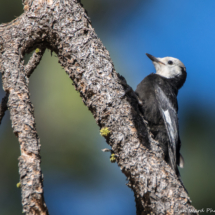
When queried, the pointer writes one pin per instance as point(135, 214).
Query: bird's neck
point(177, 82)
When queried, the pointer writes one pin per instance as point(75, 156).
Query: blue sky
point(181, 29)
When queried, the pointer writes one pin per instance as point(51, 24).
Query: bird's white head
point(168, 67)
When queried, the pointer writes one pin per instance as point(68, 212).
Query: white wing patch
point(170, 118)
point(170, 125)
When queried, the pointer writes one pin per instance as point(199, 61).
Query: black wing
point(170, 117)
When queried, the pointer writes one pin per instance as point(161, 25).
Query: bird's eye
point(170, 62)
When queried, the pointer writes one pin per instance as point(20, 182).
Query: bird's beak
point(154, 59)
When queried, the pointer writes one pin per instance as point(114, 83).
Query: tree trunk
point(65, 28)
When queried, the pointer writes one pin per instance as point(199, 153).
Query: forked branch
point(65, 28)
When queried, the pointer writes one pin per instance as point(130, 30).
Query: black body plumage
point(158, 95)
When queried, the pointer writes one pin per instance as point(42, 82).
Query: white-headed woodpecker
point(158, 95)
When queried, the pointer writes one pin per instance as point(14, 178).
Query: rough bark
point(65, 28)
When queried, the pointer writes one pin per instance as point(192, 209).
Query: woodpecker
point(158, 102)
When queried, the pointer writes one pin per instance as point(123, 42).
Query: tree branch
point(64, 27)
point(15, 81)
point(34, 61)
point(29, 68)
